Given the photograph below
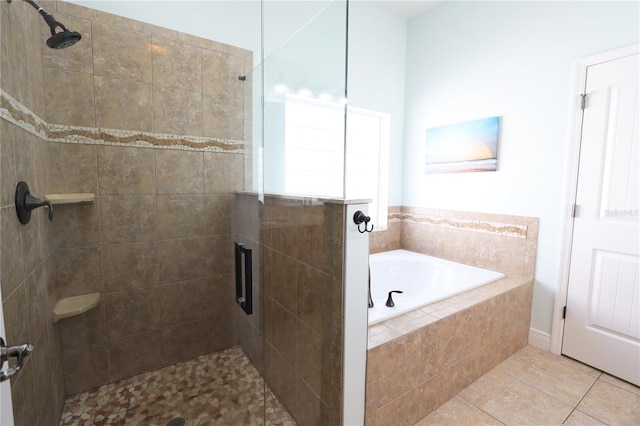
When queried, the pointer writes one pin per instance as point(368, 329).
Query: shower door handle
point(20, 352)
point(246, 301)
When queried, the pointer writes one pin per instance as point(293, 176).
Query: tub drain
point(177, 421)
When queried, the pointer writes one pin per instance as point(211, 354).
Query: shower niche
point(75, 305)
point(79, 198)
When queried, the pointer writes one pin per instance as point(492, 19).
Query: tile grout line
point(537, 390)
point(617, 385)
point(551, 396)
point(477, 406)
point(582, 397)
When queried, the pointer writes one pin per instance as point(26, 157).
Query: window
point(314, 153)
point(368, 161)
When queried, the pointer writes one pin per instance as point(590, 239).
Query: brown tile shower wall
point(27, 263)
point(28, 273)
point(181, 84)
point(156, 243)
point(21, 59)
point(302, 294)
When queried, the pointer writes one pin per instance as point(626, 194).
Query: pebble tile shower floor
point(223, 388)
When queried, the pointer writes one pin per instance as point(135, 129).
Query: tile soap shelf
point(70, 198)
point(75, 305)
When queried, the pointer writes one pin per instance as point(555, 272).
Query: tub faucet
point(390, 299)
point(370, 299)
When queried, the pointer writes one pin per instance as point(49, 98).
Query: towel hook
point(359, 218)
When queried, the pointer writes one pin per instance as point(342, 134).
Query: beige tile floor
point(534, 387)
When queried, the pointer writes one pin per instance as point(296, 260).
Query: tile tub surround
point(492, 241)
point(387, 239)
point(419, 360)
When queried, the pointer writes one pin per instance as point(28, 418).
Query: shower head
point(60, 39)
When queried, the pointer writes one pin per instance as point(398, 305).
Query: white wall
point(468, 60)
point(376, 75)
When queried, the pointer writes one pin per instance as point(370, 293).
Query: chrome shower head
point(58, 40)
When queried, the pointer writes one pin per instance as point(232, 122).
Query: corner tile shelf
point(76, 305)
point(70, 198)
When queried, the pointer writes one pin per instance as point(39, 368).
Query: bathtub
point(423, 279)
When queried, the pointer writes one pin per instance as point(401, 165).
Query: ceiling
point(405, 9)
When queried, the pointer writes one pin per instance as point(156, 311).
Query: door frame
point(571, 183)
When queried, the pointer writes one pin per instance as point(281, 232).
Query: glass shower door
point(301, 163)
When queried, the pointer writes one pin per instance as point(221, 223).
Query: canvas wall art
point(471, 146)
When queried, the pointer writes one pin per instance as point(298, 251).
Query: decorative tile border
point(486, 227)
point(16, 113)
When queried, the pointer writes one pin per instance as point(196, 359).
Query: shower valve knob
point(20, 353)
point(25, 202)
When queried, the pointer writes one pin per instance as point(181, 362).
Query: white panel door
point(602, 325)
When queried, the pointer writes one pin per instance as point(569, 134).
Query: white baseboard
point(539, 339)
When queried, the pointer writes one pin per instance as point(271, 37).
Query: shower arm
point(35, 5)
point(49, 19)
point(60, 39)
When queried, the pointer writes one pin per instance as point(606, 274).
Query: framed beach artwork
point(471, 146)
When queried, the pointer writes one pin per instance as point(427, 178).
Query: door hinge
point(564, 312)
point(574, 211)
point(583, 101)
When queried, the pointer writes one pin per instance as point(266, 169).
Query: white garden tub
point(422, 279)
